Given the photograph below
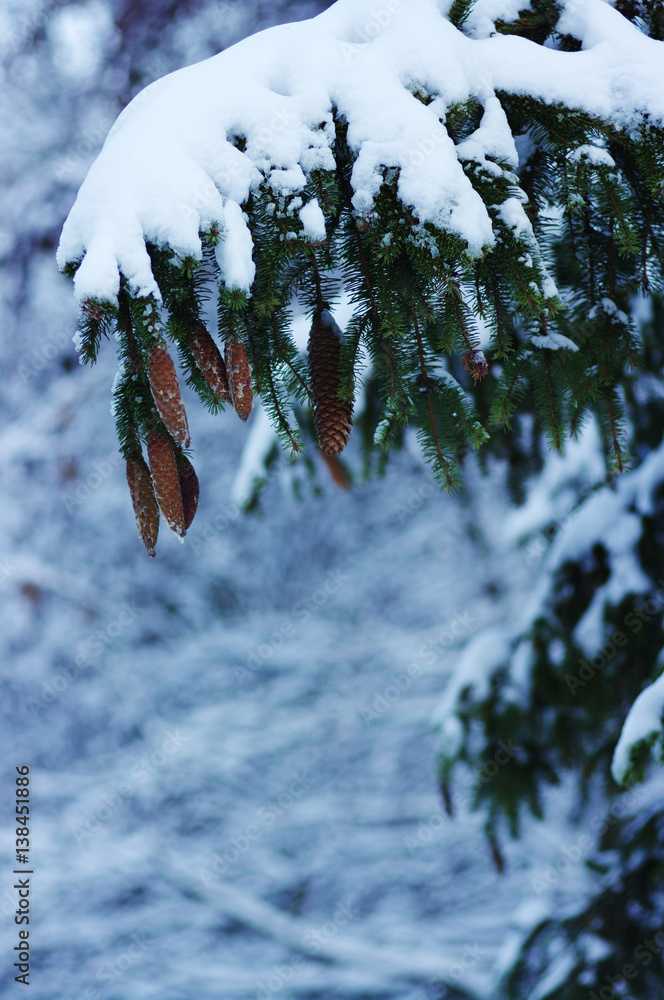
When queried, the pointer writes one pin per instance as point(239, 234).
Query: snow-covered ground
point(234, 789)
point(237, 793)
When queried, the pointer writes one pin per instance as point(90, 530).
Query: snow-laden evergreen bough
point(576, 686)
point(482, 182)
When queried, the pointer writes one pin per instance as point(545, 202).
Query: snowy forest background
point(237, 796)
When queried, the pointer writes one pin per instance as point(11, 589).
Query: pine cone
point(166, 480)
point(166, 392)
point(333, 417)
point(476, 363)
point(144, 501)
point(337, 471)
point(189, 489)
point(239, 378)
point(210, 362)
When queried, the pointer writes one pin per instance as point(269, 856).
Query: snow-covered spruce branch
point(473, 176)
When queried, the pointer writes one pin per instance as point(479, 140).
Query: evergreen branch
point(432, 421)
point(283, 423)
point(614, 434)
point(285, 360)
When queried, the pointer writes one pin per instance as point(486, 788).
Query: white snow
point(554, 341)
point(70, 558)
point(327, 318)
point(609, 308)
point(593, 154)
point(493, 138)
point(479, 659)
point(252, 467)
point(313, 220)
point(611, 518)
point(116, 382)
point(554, 493)
point(512, 213)
point(169, 167)
point(81, 34)
point(233, 252)
point(644, 723)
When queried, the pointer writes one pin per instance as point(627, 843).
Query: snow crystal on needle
point(171, 164)
point(116, 383)
point(78, 340)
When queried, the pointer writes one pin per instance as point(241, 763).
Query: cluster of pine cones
point(169, 484)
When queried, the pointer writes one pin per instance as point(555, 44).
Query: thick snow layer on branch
point(169, 167)
point(484, 654)
point(643, 726)
point(609, 518)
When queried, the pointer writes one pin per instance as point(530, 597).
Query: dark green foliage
point(459, 11)
point(563, 711)
point(617, 931)
point(593, 197)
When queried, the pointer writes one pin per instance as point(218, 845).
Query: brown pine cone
point(166, 393)
point(189, 489)
point(144, 501)
point(476, 363)
point(333, 417)
point(239, 378)
point(210, 362)
point(337, 471)
point(166, 480)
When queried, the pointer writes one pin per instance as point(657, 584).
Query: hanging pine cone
point(210, 362)
point(166, 392)
point(189, 489)
point(166, 480)
point(239, 378)
point(333, 417)
point(337, 471)
point(476, 363)
point(144, 501)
